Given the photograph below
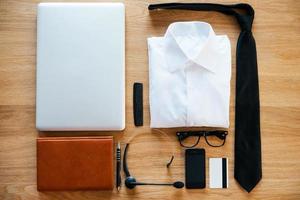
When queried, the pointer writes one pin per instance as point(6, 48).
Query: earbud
point(130, 183)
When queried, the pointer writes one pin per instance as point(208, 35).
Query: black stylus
point(118, 172)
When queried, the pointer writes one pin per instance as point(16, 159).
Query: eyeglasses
point(212, 138)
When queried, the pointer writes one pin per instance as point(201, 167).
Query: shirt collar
point(190, 42)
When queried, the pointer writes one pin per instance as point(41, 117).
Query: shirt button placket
point(188, 66)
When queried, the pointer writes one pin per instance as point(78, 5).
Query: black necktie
point(247, 162)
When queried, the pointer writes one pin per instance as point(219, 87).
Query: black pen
point(118, 173)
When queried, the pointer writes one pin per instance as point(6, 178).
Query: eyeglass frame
point(182, 135)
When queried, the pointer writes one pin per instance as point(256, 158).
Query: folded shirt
point(189, 77)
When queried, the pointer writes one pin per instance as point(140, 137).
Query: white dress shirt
point(189, 77)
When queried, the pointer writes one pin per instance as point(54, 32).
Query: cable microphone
point(177, 184)
point(130, 183)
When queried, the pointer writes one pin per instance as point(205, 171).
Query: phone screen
point(195, 168)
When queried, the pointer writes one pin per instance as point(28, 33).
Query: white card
point(218, 172)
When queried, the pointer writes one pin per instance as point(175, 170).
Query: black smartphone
point(195, 168)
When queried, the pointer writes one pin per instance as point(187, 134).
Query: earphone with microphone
point(130, 182)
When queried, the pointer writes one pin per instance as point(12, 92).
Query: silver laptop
point(80, 66)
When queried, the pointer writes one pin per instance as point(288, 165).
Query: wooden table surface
point(277, 32)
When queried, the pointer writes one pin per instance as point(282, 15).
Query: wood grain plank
point(277, 33)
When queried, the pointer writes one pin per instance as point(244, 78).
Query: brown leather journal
point(75, 163)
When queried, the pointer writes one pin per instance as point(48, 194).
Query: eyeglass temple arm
point(219, 134)
point(182, 135)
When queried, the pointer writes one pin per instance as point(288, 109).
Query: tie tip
point(248, 186)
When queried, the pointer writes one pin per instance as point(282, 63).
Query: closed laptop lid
point(80, 66)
